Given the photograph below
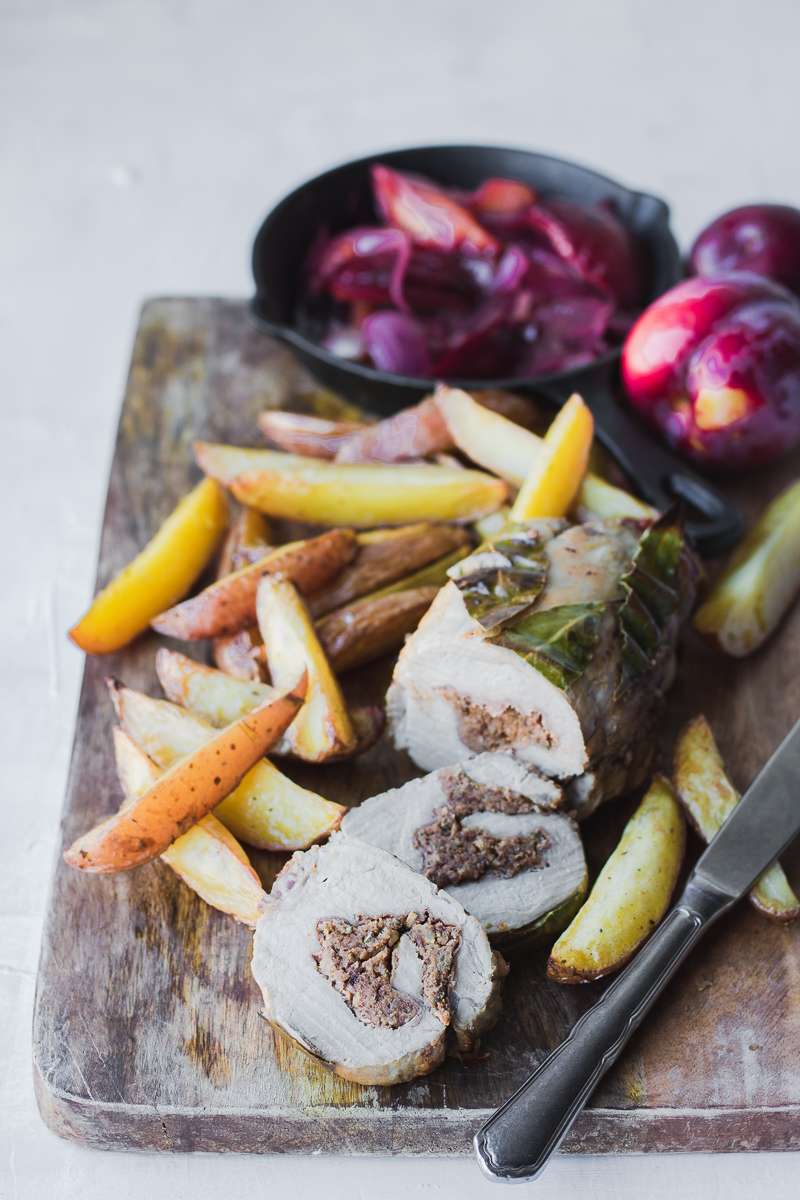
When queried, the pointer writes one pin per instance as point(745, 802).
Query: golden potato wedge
point(160, 574)
point(206, 692)
point(267, 810)
point(207, 857)
point(324, 729)
point(509, 450)
point(217, 698)
point(186, 791)
point(299, 433)
point(361, 495)
point(709, 797)
point(554, 478)
point(759, 584)
point(631, 893)
point(229, 604)
point(386, 555)
point(372, 626)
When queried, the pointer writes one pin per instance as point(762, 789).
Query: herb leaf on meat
point(558, 642)
point(504, 578)
point(651, 595)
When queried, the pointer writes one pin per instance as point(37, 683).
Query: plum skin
point(764, 238)
point(714, 365)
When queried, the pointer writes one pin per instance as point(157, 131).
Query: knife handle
point(516, 1143)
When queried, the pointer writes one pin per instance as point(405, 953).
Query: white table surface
point(141, 143)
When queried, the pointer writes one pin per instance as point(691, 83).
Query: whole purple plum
point(764, 238)
point(714, 365)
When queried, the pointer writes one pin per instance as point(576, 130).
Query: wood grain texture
point(147, 1031)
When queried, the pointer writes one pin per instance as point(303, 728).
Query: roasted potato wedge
point(241, 655)
point(554, 478)
point(361, 495)
point(229, 604)
point(434, 575)
point(247, 540)
point(492, 441)
point(414, 433)
point(313, 437)
point(760, 583)
point(371, 627)
point(709, 797)
point(324, 729)
point(267, 810)
point(218, 698)
point(207, 857)
point(160, 574)
point(186, 791)
point(384, 556)
point(631, 893)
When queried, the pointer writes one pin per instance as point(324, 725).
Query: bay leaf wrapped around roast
point(371, 968)
point(563, 663)
point(491, 832)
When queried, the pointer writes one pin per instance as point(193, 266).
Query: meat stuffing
point(452, 853)
point(358, 959)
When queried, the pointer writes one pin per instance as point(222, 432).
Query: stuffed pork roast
point(489, 831)
point(555, 643)
point(369, 967)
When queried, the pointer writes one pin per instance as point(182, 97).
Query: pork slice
point(369, 966)
point(490, 831)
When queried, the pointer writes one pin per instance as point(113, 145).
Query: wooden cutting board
point(147, 1031)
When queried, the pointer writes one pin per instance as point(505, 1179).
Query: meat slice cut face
point(491, 832)
point(554, 643)
point(371, 968)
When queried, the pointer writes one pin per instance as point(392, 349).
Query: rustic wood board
point(147, 1032)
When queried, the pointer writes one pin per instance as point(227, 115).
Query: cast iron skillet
point(341, 198)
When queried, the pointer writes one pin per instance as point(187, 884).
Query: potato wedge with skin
point(217, 698)
point(208, 857)
point(247, 540)
point(159, 575)
point(371, 627)
point(554, 479)
point(229, 604)
point(434, 575)
point(631, 893)
point(709, 797)
point(760, 583)
point(299, 433)
point(509, 450)
point(241, 655)
point(324, 729)
point(267, 810)
point(186, 791)
point(384, 556)
point(361, 495)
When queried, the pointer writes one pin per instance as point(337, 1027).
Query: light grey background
point(140, 144)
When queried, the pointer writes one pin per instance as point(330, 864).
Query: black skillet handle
point(714, 524)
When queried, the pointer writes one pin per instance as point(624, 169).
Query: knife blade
point(516, 1143)
point(761, 825)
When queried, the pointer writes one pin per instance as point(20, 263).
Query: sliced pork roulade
point(368, 966)
point(555, 643)
point(489, 831)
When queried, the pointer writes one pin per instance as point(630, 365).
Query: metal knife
point(515, 1144)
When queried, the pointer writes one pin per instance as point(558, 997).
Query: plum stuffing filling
point(453, 854)
point(357, 958)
